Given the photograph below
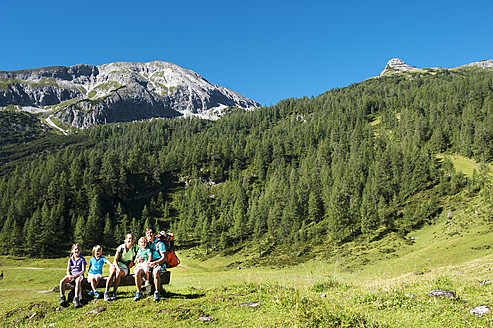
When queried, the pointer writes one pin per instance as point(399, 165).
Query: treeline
point(329, 168)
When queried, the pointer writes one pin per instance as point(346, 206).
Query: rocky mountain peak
point(396, 65)
point(84, 95)
point(481, 64)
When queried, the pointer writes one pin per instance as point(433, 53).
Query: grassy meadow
point(381, 284)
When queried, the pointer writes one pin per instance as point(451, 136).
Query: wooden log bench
point(124, 281)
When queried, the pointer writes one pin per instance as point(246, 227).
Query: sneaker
point(97, 295)
point(138, 296)
point(91, 293)
point(113, 296)
point(107, 296)
point(157, 297)
point(76, 302)
point(63, 301)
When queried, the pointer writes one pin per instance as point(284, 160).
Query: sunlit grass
point(379, 284)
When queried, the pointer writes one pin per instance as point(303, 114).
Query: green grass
point(379, 284)
point(109, 86)
point(464, 164)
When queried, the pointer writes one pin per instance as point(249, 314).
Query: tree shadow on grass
point(182, 296)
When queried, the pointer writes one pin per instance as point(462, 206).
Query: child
point(96, 269)
point(144, 256)
point(75, 273)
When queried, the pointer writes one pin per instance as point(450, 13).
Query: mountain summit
point(84, 95)
point(396, 65)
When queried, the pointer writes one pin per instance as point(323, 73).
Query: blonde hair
point(96, 248)
point(142, 240)
point(74, 246)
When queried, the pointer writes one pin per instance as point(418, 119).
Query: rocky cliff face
point(396, 65)
point(481, 64)
point(85, 95)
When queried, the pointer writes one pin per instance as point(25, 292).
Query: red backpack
point(167, 238)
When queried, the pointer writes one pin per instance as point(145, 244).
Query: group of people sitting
point(149, 259)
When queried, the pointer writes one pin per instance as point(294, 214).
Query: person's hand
point(152, 264)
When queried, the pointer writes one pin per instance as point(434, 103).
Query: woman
point(124, 260)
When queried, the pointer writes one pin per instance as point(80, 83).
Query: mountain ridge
point(86, 95)
point(397, 65)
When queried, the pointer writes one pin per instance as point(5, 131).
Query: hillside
point(306, 175)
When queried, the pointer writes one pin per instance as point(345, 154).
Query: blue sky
point(264, 50)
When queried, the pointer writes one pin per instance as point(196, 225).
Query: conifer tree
point(81, 232)
point(108, 233)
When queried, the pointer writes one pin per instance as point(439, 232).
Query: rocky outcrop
point(396, 65)
point(85, 95)
point(481, 64)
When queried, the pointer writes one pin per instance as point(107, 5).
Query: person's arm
point(115, 261)
point(68, 269)
point(83, 269)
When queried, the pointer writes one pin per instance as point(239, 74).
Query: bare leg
point(64, 280)
point(138, 279)
point(147, 275)
point(117, 280)
point(96, 282)
point(111, 276)
point(78, 282)
point(157, 279)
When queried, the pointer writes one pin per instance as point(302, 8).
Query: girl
point(144, 257)
point(124, 257)
point(96, 269)
point(75, 273)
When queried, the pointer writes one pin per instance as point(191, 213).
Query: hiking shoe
point(113, 296)
point(63, 301)
point(97, 295)
point(76, 302)
point(107, 296)
point(157, 297)
point(138, 296)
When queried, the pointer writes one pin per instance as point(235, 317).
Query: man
point(156, 265)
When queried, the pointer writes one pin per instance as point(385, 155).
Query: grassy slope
point(381, 284)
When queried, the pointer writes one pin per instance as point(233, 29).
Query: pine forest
point(359, 161)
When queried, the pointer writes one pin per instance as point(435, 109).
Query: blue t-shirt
point(96, 266)
point(157, 247)
point(75, 265)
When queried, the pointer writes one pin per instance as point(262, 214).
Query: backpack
point(167, 238)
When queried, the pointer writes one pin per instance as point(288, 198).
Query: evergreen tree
point(81, 232)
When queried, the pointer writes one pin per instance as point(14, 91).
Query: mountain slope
point(85, 95)
point(360, 162)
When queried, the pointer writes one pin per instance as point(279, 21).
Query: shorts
point(124, 270)
point(142, 266)
point(159, 267)
point(72, 281)
point(91, 276)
